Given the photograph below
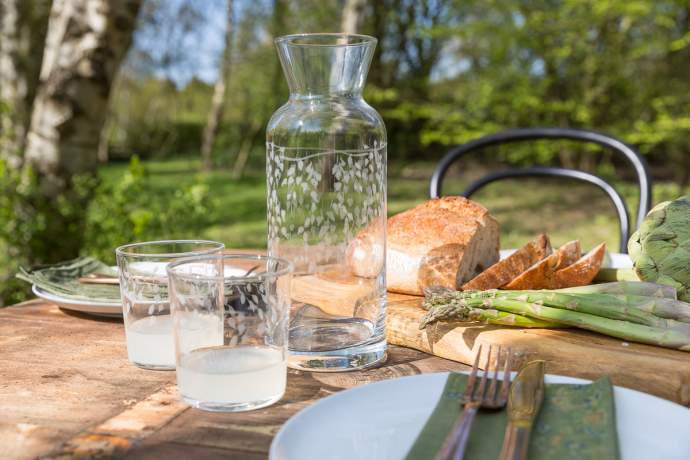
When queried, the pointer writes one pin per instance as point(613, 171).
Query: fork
point(476, 397)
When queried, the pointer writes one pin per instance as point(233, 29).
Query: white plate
point(112, 309)
point(382, 420)
point(611, 259)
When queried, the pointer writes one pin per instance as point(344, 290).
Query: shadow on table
point(92, 317)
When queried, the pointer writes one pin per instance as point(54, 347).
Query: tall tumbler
point(326, 174)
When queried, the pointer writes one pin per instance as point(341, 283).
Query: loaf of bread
point(445, 241)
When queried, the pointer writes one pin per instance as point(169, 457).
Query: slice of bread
point(511, 267)
point(542, 275)
point(582, 271)
point(444, 242)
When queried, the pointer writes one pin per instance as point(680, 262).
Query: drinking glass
point(230, 316)
point(326, 181)
point(144, 293)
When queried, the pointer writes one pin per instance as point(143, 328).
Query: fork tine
point(491, 393)
point(505, 385)
point(482, 382)
point(469, 389)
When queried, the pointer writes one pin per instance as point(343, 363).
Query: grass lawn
point(564, 210)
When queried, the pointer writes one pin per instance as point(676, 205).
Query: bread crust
point(583, 271)
point(512, 266)
point(542, 275)
point(443, 241)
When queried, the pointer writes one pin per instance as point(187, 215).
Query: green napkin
point(62, 279)
point(575, 422)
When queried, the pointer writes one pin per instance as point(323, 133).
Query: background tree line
point(444, 72)
point(86, 82)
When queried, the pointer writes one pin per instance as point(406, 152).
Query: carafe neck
point(325, 66)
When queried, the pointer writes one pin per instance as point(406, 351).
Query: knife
point(99, 278)
point(524, 402)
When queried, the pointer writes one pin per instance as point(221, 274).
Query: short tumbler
point(144, 292)
point(230, 322)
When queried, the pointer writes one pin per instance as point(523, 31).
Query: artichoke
point(660, 248)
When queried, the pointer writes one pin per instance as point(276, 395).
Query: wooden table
point(66, 388)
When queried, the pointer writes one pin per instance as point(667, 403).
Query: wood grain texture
point(655, 370)
point(67, 390)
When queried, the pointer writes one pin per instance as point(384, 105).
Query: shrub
point(35, 227)
point(34, 230)
point(132, 210)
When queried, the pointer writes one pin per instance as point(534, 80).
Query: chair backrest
point(516, 135)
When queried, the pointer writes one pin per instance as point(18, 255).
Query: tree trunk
point(85, 44)
point(102, 150)
point(280, 12)
point(353, 13)
point(218, 102)
point(350, 22)
point(23, 25)
point(245, 150)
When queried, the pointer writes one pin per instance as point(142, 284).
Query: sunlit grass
point(564, 210)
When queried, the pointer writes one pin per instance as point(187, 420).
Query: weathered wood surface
point(576, 353)
point(67, 389)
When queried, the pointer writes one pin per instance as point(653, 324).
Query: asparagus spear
point(626, 330)
point(640, 310)
point(661, 307)
point(671, 338)
point(638, 288)
point(455, 311)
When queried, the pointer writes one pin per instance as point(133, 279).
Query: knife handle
point(515, 443)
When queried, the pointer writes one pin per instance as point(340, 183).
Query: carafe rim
point(331, 39)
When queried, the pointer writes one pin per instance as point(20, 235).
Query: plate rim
point(43, 294)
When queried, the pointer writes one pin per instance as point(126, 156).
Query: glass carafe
point(326, 174)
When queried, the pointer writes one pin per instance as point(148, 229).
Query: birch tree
point(85, 43)
point(353, 13)
point(215, 115)
point(23, 25)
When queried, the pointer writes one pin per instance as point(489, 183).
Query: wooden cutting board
point(656, 370)
point(576, 353)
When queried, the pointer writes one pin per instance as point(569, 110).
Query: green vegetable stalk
point(442, 310)
point(670, 338)
point(657, 320)
point(649, 311)
point(625, 288)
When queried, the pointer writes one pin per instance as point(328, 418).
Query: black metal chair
point(516, 135)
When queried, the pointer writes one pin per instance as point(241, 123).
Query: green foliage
point(154, 117)
point(36, 230)
point(131, 210)
point(37, 226)
point(617, 66)
point(446, 72)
